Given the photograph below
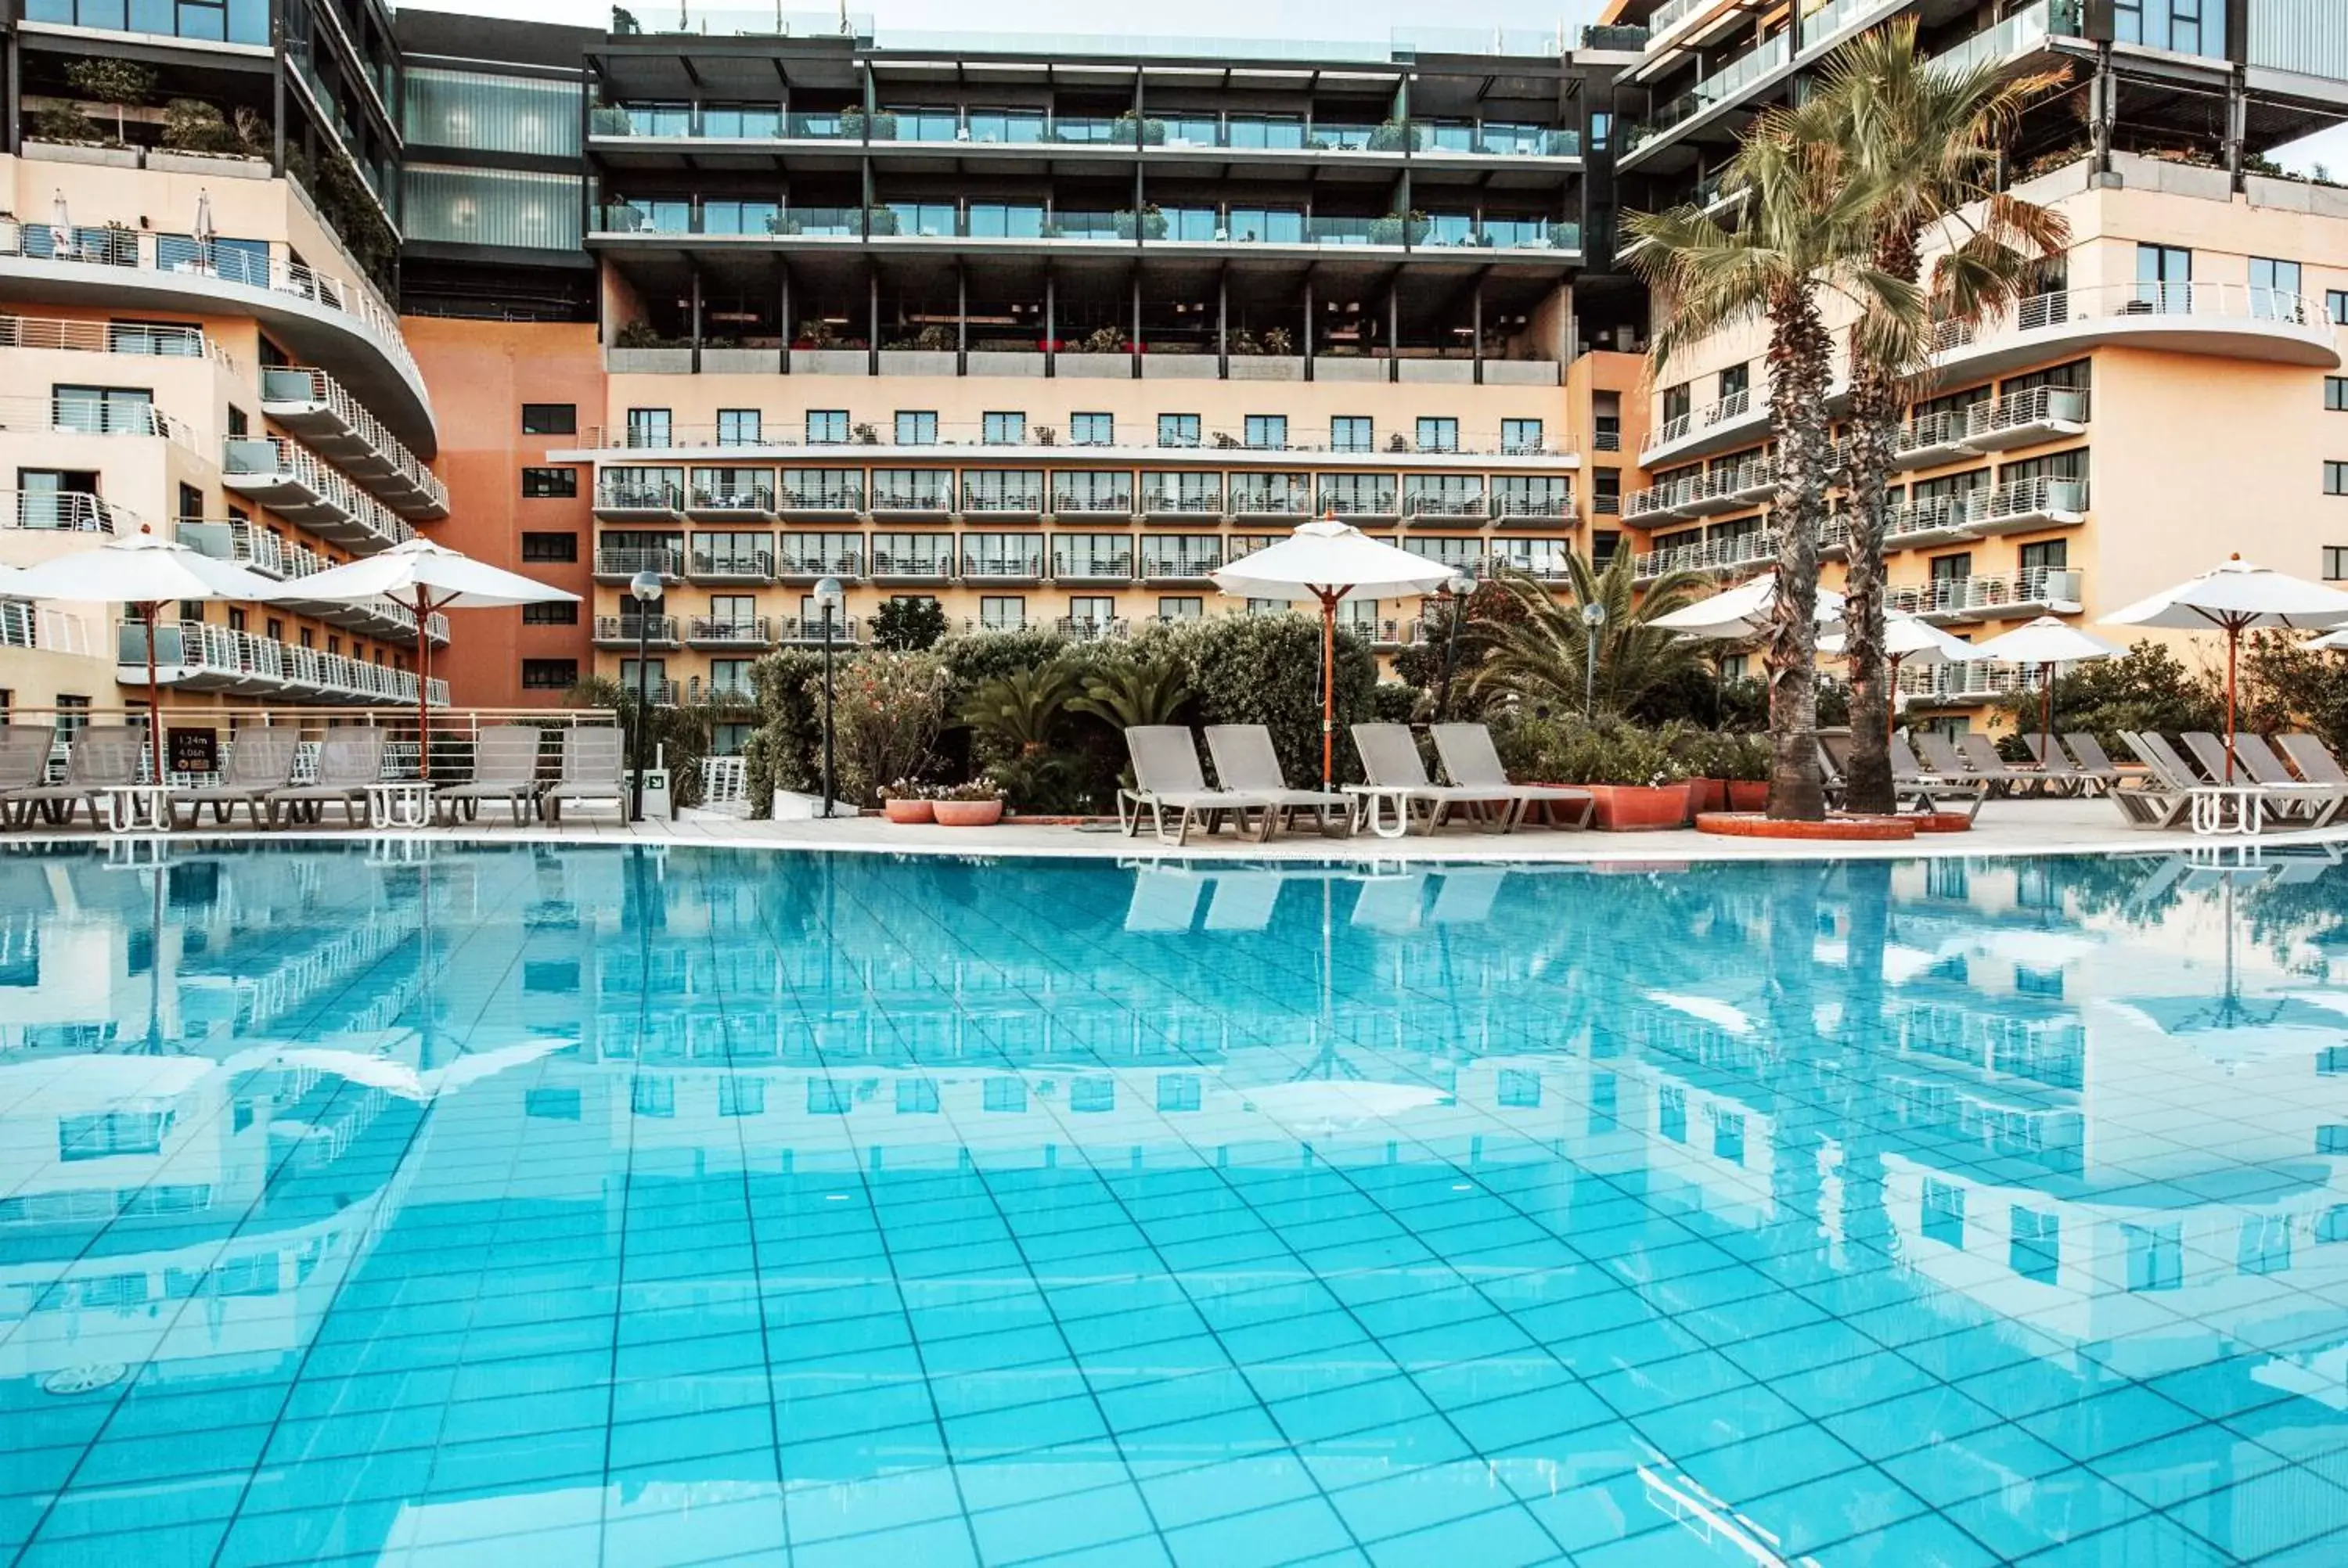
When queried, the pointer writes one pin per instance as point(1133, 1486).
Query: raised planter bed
point(1841, 828)
point(1639, 808)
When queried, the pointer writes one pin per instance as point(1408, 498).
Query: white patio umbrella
point(2046, 642)
point(2330, 642)
point(1331, 562)
point(148, 571)
point(426, 577)
point(61, 240)
point(1737, 613)
point(1908, 641)
point(2236, 598)
point(203, 231)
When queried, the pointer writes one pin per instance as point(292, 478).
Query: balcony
point(1970, 683)
point(932, 497)
point(1004, 500)
point(331, 422)
point(289, 481)
point(1169, 561)
point(1722, 88)
point(1930, 439)
point(73, 416)
point(930, 560)
point(1112, 499)
point(724, 504)
point(841, 499)
point(1515, 510)
point(199, 656)
point(752, 632)
point(2026, 419)
point(1680, 429)
point(1661, 502)
point(1249, 501)
point(2033, 504)
point(322, 318)
point(731, 692)
point(1082, 566)
point(1092, 628)
point(622, 631)
point(1238, 447)
point(2035, 591)
point(618, 563)
point(1182, 504)
point(807, 631)
point(754, 566)
point(66, 512)
point(806, 559)
point(42, 627)
point(1017, 560)
point(1731, 553)
point(1363, 501)
point(638, 501)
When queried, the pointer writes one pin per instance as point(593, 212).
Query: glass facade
point(234, 22)
point(492, 207)
point(477, 111)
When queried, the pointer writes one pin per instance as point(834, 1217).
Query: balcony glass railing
point(1722, 87)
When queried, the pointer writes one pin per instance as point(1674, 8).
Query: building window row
point(920, 428)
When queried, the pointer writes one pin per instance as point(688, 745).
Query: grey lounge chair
point(1977, 755)
point(349, 759)
point(2094, 761)
point(2313, 760)
point(1831, 769)
point(102, 757)
point(260, 761)
point(1927, 789)
point(1166, 777)
point(505, 767)
point(594, 771)
point(2209, 753)
point(1396, 777)
point(2160, 797)
point(2061, 775)
point(24, 765)
point(1244, 761)
point(1472, 762)
point(2301, 799)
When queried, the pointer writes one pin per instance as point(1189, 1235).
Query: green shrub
point(912, 624)
point(785, 751)
point(1394, 702)
point(887, 710)
point(1266, 670)
point(678, 737)
point(191, 124)
point(65, 124)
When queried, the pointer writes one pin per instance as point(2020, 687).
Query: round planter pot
point(1839, 827)
point(1633, 808)
point(1707, 794)
point(1747, 794)
point(909, 810)
point(967, 813)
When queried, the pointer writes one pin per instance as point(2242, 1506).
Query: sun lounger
point(1396, 778)
point(2061, 775)
point(1472, 762)
point(1831, 769)
point(1975, 755)
point(2209, 753)
point(2094, 761)
point(102, 757)
point(349, 759)
point(505, 767)
point(1166, 777)
point(2313, 759)
point(594, 773)
point(1925, 789)
point(24, 765)
point(1245, 762)
point(2162, 796)
point(2302, 799)
point(261, 759)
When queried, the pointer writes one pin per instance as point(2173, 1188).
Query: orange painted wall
point(480, 374)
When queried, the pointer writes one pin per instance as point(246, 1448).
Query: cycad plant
point(1806, 224)
point(1538, 653)
point(1132, 692)
point(1015, 717)
point(1925, 141)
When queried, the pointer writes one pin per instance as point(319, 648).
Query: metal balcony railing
point(655, 629)
point(2031, 588)
point(751, 500)
point(66, 511)
point(626, 560)
point(202, 655)
point(152, 340)
point(731, 630)
point(308, 400)
point(288, 478)
point(632, 495)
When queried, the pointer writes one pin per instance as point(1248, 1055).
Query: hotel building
point(1046, 330)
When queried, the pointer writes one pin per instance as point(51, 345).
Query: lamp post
point(1593, 616)
point(828, 599)
point(646, 589)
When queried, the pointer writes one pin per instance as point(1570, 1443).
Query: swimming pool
point(571, 1206)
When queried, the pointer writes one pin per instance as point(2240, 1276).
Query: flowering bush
point(887, 709)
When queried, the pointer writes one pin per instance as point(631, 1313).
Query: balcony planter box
point(917, 361)
point(1178, 367)
point(1350, 367)
point(209, 165)
point(1094, 366)
point(740, 361)
point(1446, 372)
point(1520, 373)
point(1747, 794)
point(657, 361)
point(1006, 361)
point(1638, 808)
point(910, 810)
point(967, 813)
point(1267, 367)
point(829, 362)
point(82, 152)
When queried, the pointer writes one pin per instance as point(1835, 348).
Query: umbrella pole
point(1890, 695)
point(2233, 643)
point(2045, 712)
point(1328, 683)
point(154, 695)
point(422, 688)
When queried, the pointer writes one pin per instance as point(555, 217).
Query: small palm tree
point(1807, 229)
point(1127, 694)
point(1019, 711)
point(1538, 653)
point(1926, 142)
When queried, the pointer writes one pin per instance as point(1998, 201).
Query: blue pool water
point(592, 1206)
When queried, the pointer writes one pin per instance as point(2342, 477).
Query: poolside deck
point(2004, 827)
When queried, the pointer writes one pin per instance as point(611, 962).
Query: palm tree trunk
point(1877, 399)
point(1799, 355)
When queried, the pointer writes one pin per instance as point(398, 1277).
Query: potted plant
point(977, 804)
point(1277, 341)
point(1394, 136)
point(906, 801)
point(1746, 764)
point(1633, 775)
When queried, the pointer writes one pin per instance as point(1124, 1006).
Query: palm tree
point(1136, 692)
point(1926, 141)
point(1804, 230)
point(1539, 651)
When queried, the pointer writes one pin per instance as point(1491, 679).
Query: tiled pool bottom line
point(2065, 828)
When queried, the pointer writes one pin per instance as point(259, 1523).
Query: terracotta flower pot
point(1633, 808)
point(967, 813)
point(909, 810)
point(1748, 795)
point(1707, 794)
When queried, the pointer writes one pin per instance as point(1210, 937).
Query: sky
point(1356, 20)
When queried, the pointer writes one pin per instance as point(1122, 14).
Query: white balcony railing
point(65, 512)
point(203, 656)
point(289, 479)
point(148, 340)
point(308, 400)
point(67, 415)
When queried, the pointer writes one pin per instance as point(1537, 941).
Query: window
point(1092, 1093)
point(1178, 430)
point(917, 428)
point(1602, 546)
point(548, 674)
point(1181, 607)
point(1676, 403)
point(550, 546)
point(1521, 434)
point(1267, 432)
point(104, 410)
point(740, 427)
point(549, 483)
point(100, 1133)
point(2335, 479)
point(559, 614)
point(2046, 555)
point(1606, 491)
point(237, 424)
point(917, 1096)
point(1002, 429)
point(1004, 1094)
point(1670, 1114)
point(2033, 1247)
point(2265, 1244)
point(648, 427)
point(2186, 27)
point(550, 419)
point(1092, 609)
point(1092, 430)
point(827, 426)
point(1520, 1089)
point(1438, 434)
point(650, 1096)
point(2164, 278)
point(2335, 305)
point(1002, 611)
point(2335, 563)
point(191, 500)
point(1353, 433)
point(2335, 393)
point(2155, 1257)
point(1735, 381)
point(2274, 289)
point(1178, 1091)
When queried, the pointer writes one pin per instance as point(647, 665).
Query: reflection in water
point(846, 1207)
